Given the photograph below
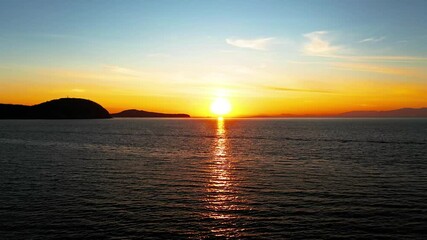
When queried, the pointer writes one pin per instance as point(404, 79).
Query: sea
point(213, 179)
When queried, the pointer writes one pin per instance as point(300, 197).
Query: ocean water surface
point(209, 178)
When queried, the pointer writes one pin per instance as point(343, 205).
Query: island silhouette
point(133, 113)
point(63, 108)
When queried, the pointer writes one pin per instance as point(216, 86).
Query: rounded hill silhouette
point(63, 108)
point(133, 113)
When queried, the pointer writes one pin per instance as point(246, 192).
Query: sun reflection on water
point(223, 201)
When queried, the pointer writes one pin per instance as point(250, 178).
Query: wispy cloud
point(377, 69)
point(255, 44)
point(69, 74)
point(121, 70)
point(372, 40)
point(274, 88)
point(318, 45)
point(374, 58)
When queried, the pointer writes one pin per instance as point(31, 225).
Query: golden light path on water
point(223, 200)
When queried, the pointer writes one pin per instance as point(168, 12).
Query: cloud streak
point(377, 69)
point(318, 45)
point(121, 70)
point(374, 58)
point(372, 40)
point(255, 44)
point(274, 88)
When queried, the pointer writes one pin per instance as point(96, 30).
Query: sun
point(220, 106)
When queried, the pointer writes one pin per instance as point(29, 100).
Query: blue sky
point(156, 26)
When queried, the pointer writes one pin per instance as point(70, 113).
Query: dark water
point(260, 179)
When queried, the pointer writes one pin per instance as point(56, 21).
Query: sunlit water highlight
point(222, 196)
point(207, 178)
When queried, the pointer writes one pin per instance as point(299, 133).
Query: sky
point(265, 57)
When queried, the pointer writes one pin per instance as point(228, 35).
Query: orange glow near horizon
point(121, 92)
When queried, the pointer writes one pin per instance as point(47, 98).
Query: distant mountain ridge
point(397, 113)
point(63, 108)
point(403, 112)
point(133, 113)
